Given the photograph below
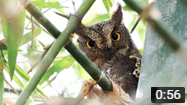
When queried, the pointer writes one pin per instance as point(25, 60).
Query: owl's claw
point(137, 65)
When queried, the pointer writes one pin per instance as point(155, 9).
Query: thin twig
point(63, 15)
point(3, 56)
point(46, 48)
point(11, 86)
point(32, 31)
point(38, 61)
point(11, 90)
point(46, 10)
point(36, 23)
point(73, 3)
point(134, 26)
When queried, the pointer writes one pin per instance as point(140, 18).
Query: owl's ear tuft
point(117, 15)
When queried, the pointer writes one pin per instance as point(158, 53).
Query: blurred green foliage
point(28, 50)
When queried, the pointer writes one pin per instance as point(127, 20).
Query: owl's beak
point(108, 55)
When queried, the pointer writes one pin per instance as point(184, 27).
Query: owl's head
point(102, 40)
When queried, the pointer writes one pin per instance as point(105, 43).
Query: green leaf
point(108, 4)
point(4, 29)
point(22, 73)
point(127, 8)
point(15, 78)
point(58, 67)
point(25, 39)
point(80, 72)
point(61, 10)
point(15, 32)
point(1, 84)
point(98, 18)
point(26, 77)
point(41, 4)
point(141, 50)
point(28, 36)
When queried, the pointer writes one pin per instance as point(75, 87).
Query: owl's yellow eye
point(90, 43)
point(115, 36)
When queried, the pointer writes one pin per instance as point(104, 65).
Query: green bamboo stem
point(42, 19)
point(94, 72)
point(173, 42)
point(54, 50)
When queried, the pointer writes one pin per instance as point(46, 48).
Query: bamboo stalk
point(94, 72)
point(56, 47)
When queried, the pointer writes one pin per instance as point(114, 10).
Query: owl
point(109, 46)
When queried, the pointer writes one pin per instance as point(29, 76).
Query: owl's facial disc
point(103, 39)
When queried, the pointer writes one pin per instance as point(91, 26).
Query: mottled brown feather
point(113, 57)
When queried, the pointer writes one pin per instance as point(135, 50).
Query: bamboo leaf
point(99, 18)
point(25, 39)
point(56, 47)
point(42, 4)
point(58, 67)
point(26, 77)
point(141, 50)
point(22, 73)
point(108, 4)
point(39, 90)
point(4, 29)
point(80, 72)
point(127, 8)
point(28, 36)
point(15, 78)
point(15, 29)
point(1, 84)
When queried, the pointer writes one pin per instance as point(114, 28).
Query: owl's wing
point(137, 65)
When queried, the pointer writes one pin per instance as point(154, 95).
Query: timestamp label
point(167, 94)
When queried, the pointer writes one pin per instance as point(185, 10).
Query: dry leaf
point(95, 96)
